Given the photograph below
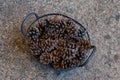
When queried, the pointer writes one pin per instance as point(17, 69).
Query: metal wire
point(89, 57)
point(82, 31)
point(25, 20)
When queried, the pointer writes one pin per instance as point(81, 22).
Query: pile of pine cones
point(56, 42)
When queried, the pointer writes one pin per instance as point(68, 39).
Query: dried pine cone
point(56, 42)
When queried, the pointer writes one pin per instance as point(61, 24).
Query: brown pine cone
point(55, 41)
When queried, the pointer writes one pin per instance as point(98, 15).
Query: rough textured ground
point(100, 17)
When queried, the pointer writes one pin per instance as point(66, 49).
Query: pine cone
point(55, 41)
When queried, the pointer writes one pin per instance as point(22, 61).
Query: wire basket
point(82, 36)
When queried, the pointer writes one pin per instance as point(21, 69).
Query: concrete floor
point(100, 17)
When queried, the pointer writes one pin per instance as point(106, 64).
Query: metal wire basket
point(81, 31)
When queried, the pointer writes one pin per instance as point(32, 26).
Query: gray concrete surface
point(100, 17)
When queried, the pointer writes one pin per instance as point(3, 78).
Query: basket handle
point(25, 20)
point(89, 57)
